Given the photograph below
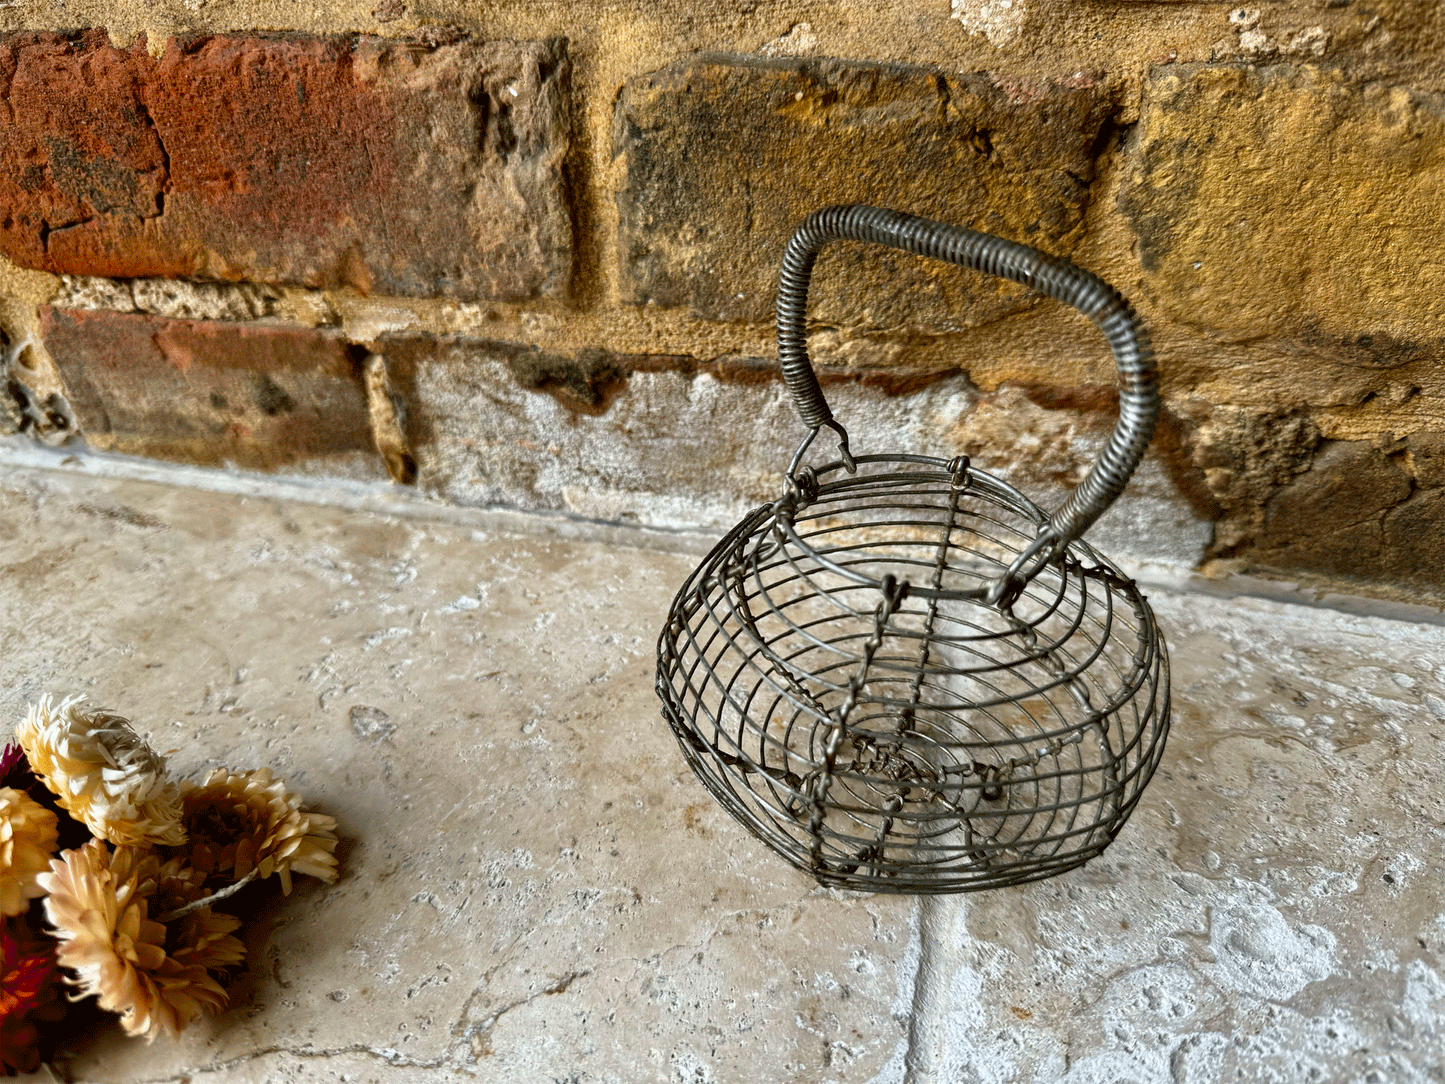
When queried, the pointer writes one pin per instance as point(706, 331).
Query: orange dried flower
point(200, 938)
point(27, 840)
point(240, 821)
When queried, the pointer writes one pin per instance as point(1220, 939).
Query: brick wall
point(526, 255)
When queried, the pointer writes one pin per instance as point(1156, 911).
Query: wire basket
point(903, 675)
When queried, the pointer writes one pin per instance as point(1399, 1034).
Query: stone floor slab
point(1275, 911)
point(533, 888)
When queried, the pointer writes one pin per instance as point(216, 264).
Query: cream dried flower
point(28, 832)
point(244, 821)
point(98, 903)
point(102, 772)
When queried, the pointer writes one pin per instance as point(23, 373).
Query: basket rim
point(976, 480)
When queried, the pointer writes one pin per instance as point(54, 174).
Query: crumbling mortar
point(48, 418)
point(386, 409)
point(179, 299)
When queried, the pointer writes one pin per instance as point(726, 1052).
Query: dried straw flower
point(201, 937)
point(98, 903)
point(27, 982)
point(15, 773)
point(243, 821)
point(102, 772)
point(27, 840)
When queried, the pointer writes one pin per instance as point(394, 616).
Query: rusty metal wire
point(904, 677)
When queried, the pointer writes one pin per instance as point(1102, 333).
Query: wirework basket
point(903, 675)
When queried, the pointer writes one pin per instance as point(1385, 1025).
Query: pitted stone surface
point(1273, 911)
point(535, 888)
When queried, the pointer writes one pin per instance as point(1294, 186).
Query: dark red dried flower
point(28, 979)
point(27, 968)
point(14, 769)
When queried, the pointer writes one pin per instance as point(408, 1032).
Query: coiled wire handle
point(1051, 275)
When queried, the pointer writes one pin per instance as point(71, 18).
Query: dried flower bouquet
point(111, 873)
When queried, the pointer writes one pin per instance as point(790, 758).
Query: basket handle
point(1051, 275)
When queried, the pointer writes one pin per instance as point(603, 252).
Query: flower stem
point(206, 901)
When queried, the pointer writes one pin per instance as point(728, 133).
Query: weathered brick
point(1348, 482)
point(390, 166)
point(725, 156)
point(1286, 205)
point(212, 392)
point(1414, 537)
point(1354, 514)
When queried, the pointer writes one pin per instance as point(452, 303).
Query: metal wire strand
point(1050, 275)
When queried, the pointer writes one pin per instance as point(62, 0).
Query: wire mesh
point(835, 679)
point(903, 675)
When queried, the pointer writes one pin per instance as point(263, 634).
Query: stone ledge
point(533, 886)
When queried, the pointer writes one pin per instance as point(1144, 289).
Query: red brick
point(211, 392)
point(389, 166)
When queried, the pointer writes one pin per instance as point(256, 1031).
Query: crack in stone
point(145, 115)
point(931, 996)
point(455, 1056)
point(386, 1054)
point(475, 1037)
point(47, 231)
